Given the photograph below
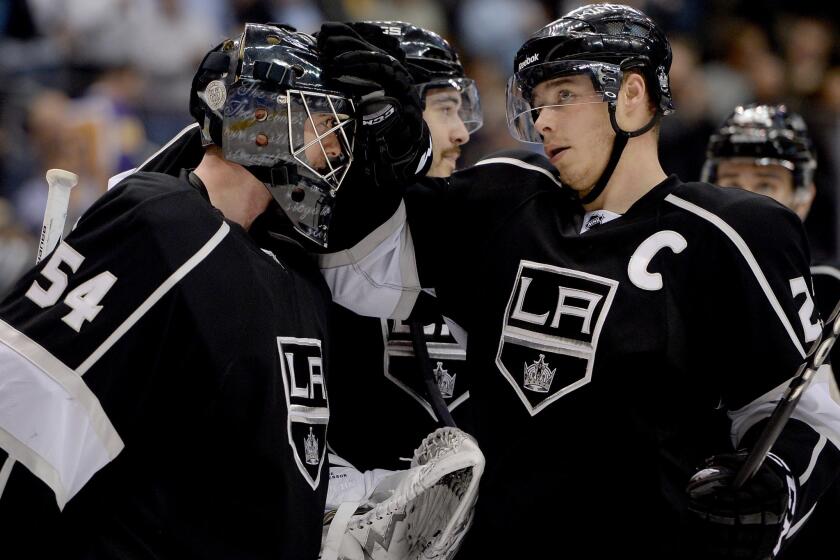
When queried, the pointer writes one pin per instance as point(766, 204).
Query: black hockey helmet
point(601, 41)
point(763, 135)
point(433, 63)
point(262, 98)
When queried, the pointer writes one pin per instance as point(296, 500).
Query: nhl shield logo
point(552, 323)
point(306, 402)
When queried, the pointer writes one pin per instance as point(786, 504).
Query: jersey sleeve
point(759, 323)
point(64, 318)
point(433, 240)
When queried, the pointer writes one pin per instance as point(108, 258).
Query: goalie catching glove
point(747, 523)
point(419, 513)
point(393, 145)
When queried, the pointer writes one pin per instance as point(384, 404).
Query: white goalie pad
point(420, 513)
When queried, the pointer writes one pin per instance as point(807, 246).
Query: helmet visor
point(469, 103)
point(552, 86)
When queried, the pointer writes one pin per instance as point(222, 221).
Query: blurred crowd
point(95, 86)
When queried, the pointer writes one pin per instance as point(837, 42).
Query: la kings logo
point(552, 322)
point(447, 360)
point(306, 401)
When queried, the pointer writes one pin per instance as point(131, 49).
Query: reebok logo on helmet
point(528, 60)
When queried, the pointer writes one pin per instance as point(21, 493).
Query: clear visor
point(551, 87)
point(303, 139)
point(469, 103)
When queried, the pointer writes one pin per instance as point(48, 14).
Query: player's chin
point(443, 168)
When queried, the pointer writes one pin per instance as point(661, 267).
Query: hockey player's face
point(318, 125)
point(447, 128)
point(577, 136)
point(770, 180)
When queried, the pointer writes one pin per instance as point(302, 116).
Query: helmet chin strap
point(620, 141)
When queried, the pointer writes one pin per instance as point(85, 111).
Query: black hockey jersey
point(605, 366)
point(162, 384)
point(375, 380)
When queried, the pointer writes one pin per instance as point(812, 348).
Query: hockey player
point(766, 149)
point(162, 377)
point(623, 326)
point(374, 362)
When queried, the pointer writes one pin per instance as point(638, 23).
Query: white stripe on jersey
point(816, 408)
point(523, 165)
point(51, 422)
point(378, 276)
point(815, 454)
point(161, 290)
point(826, 270)
point(801, 522)
point(113, 181)
point(741, 245)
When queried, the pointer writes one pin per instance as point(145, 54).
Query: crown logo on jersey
point(538, 376)
point(445, 382)
point(310, 448)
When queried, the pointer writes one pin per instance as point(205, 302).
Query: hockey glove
point(393, 145)
point(421, 512)
point(746, 523)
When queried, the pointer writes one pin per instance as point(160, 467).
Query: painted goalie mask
point(262, 98)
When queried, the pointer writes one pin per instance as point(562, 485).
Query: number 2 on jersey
point(83, 300)
point(812, 330)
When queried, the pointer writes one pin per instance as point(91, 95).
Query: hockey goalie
point(422, 512)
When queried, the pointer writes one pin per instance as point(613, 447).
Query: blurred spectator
point(93, 136)
point(166, 46)
point(17, 248)
point(683, 135)
point(823, 118)
point(303, 15)
point(807, 50)
point(429, 15)
point(495, 29)
point(741, 43)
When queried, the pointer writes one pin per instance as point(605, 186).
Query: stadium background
point(95, 86)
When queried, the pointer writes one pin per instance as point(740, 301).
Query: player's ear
point(633, 102)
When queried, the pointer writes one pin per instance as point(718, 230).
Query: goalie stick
point(816, 357)
point(60, 182)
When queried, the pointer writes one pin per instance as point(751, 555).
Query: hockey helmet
point(263, 100)
point(433, 63)
point(601, 42)
point(763, 135)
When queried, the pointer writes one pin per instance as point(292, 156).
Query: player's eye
point(564, 96)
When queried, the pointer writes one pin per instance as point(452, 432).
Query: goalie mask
point(591, 47)
point(262, 99)
point(434, 64)
point(763, 135)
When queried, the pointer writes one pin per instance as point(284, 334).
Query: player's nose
point(459, 135)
